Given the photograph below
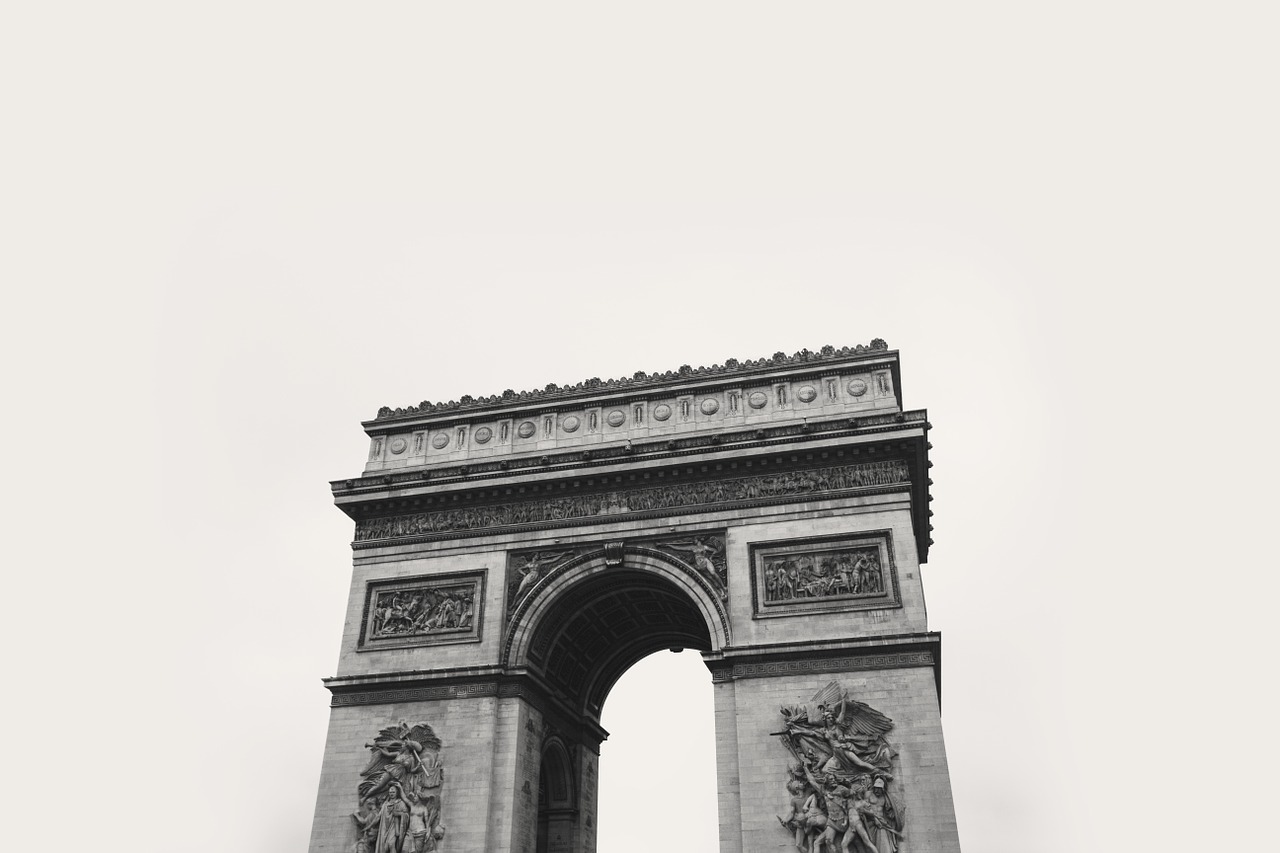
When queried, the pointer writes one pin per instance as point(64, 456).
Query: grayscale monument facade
point(514, 555)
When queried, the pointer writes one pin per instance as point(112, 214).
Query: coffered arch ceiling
point(605, 623)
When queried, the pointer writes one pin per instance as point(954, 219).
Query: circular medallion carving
point(758, 400)
point(857, 387)
point(399, 445)
point(807, 394)
point(570, 424)
point(526, 429)
point(483, 435)
point(440, 442)
point(616, 418)
point(710, 406)
point(661, 412)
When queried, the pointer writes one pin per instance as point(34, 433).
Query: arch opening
point(597, 627)
point(660, 759)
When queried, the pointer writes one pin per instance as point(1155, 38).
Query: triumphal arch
point(515, 554)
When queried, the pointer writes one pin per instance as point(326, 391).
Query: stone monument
point(514, 555)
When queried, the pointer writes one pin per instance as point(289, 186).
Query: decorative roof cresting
point(638, 379)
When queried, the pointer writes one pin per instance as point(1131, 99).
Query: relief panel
point(823, 575)
point(422, 611)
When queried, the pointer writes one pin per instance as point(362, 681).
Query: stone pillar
point(899, 685)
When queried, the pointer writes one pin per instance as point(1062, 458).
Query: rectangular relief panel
point(825, 574)
point(425, 610)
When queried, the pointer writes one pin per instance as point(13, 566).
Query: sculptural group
point(823, 575)
point(399, 810)
point(423, 611)
point(839, 776)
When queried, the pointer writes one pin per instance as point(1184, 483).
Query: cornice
point(889, 651)
point(902, 435)
point(471, 683)
point(640, 382)
point(892, 651)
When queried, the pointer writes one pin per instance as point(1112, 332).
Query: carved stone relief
point(423, 610)
point(399, 445)
point(661, 412)
point(827, 574)
point(669, 497)
point(525, 570)
point(706, 554)
point(400, 795)
point(483, 435)
point(375, 448)
point(824, 574)
point(709, 406)
point(807, 394)
point(526, 429)
point(570, 424)
point(758, 400)
point(857, 387)
point(616, 418)
point(840, 786)
point(440, 442)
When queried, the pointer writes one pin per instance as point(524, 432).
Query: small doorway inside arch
point(555, 799)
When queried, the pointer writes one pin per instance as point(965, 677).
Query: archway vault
point(585, 624)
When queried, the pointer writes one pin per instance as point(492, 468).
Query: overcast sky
point(232, 231)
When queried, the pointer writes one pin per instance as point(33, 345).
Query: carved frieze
point(840, 786)
point(825, 574)
point(400, 796)
point(675, 497)
point(424, 610)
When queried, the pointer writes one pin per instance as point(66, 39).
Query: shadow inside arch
point(587, 622)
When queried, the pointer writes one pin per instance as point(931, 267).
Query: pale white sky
point(229, 232)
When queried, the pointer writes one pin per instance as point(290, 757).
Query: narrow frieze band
point(667, 499)
point(897, 660)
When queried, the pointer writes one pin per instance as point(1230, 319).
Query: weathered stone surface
point(858, 384)
point(498, 604)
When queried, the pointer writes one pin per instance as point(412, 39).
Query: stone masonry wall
point(747, 710)
point(475, 739)
point(887, 514)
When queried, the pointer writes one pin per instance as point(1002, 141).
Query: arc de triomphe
point(515, 554)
